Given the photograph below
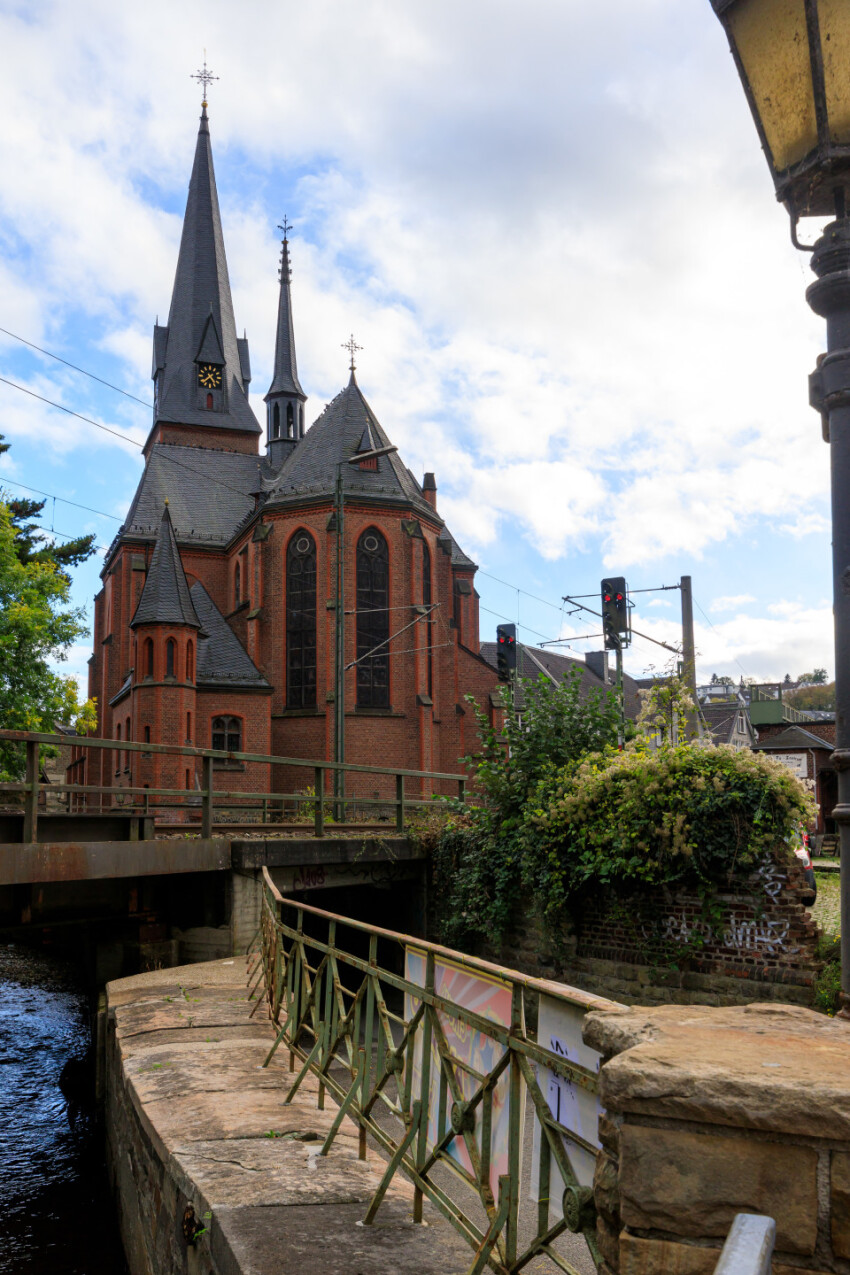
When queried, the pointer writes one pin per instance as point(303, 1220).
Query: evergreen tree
point(31, 544)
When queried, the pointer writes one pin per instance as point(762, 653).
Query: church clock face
point(209, 375)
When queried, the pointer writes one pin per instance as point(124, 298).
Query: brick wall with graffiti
point(756, 942)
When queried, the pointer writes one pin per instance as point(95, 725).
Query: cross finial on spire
point(204, 78)
point(285, 226)
point(352, 346)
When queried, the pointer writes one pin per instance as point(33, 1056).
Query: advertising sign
point(559, 1029)
point(490, 997)
point(797, 762)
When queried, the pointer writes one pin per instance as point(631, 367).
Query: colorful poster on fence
point(559, 1028)
point(490, 997)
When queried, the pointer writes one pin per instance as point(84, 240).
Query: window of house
point(290, 421)
point(209, 402)
point(147, 659)
point(301, 621)
point(146, 735)
point(276, 421)
point(237, 583)
point(426, 601)
point(373, 620)
point(170, 654)
point(188, 728)
point(301, 420)
point(118, 750)
point(370, 463)
point(127, 740)
point(227, 734)
point(190, 661)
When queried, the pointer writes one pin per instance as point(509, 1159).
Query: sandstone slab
point(749, 1066)
point(840, 1203)
point(693, 1184)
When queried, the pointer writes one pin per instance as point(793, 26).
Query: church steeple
point(201, 368)
point(285, 398)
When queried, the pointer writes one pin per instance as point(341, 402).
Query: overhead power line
point(73, 366)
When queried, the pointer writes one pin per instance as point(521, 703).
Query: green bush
point(688, 814)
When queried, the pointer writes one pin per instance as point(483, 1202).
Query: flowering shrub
point(564, 813)
point(691, 814)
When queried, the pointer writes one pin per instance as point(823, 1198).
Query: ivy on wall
point(562, 812)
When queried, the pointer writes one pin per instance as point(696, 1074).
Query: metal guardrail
point(207, 797)
point(749, 1246)
point(428, 1052)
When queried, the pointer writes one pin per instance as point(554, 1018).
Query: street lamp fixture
point(793, 57)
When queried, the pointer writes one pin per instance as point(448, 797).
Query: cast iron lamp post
point(793, 57)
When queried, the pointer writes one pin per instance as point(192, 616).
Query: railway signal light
point(506, 651)
point(615, 612)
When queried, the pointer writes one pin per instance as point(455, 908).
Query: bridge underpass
point(175, 876)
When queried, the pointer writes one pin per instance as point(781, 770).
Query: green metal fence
point(208, 800)
point(427, 1050)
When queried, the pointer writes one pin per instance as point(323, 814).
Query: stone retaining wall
point(713, 1112)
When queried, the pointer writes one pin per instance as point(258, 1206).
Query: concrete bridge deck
point(200, 1140)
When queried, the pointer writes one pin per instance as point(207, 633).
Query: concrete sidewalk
point(214, 1173)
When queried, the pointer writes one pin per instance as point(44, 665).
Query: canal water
point(56, 1213)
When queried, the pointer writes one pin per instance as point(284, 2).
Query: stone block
point(606, 1193)
point(693, 1184)
point(608, 1240)
point(839, 1203)
point(664, 1257)
point(609, 1132)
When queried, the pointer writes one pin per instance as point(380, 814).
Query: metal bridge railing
point(207, 799)
point(427, 1050)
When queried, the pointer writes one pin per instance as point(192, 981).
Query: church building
point(217, 621)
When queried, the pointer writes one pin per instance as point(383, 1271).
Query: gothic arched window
point(147, 662)
point(373, 620)
point(227, 734)
point(426, 601)
point(237, 584)
point(290, 422)
point(276, 421)
point(301, 621)
point(170, 653)
point(301, 420)
point(190, 661)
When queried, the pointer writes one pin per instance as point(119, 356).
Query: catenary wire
point(73, 366)
point(63, 499)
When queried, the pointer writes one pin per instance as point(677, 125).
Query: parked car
point(801, 850)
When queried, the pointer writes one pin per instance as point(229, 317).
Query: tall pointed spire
point(165, 598)
point(285, 398)
point(201, 369)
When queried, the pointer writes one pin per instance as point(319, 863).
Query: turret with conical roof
point(165, 598)
point(201, 369)
point(285, 399)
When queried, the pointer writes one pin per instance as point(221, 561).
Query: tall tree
point(37, 626)
point(31, 543)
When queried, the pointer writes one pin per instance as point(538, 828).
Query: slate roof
point(310, 469)
point(222, 659)
point(201, 325)
point(285, 378)
point(795, 737)
point(534, 661)
point(720, 720)
point(208, 493)
point(165, 596)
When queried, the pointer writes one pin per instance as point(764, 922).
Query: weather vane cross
point(352, 346)
point(285, 226)
point(204, 77)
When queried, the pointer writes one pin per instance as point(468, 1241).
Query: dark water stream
point(56, 1213)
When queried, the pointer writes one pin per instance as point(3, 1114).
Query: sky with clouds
point(550, 227)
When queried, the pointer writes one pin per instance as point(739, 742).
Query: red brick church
point(217, 618)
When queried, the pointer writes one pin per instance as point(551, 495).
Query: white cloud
point(731, 603)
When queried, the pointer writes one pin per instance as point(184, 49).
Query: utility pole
point(339, 652)
point(689, 669)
